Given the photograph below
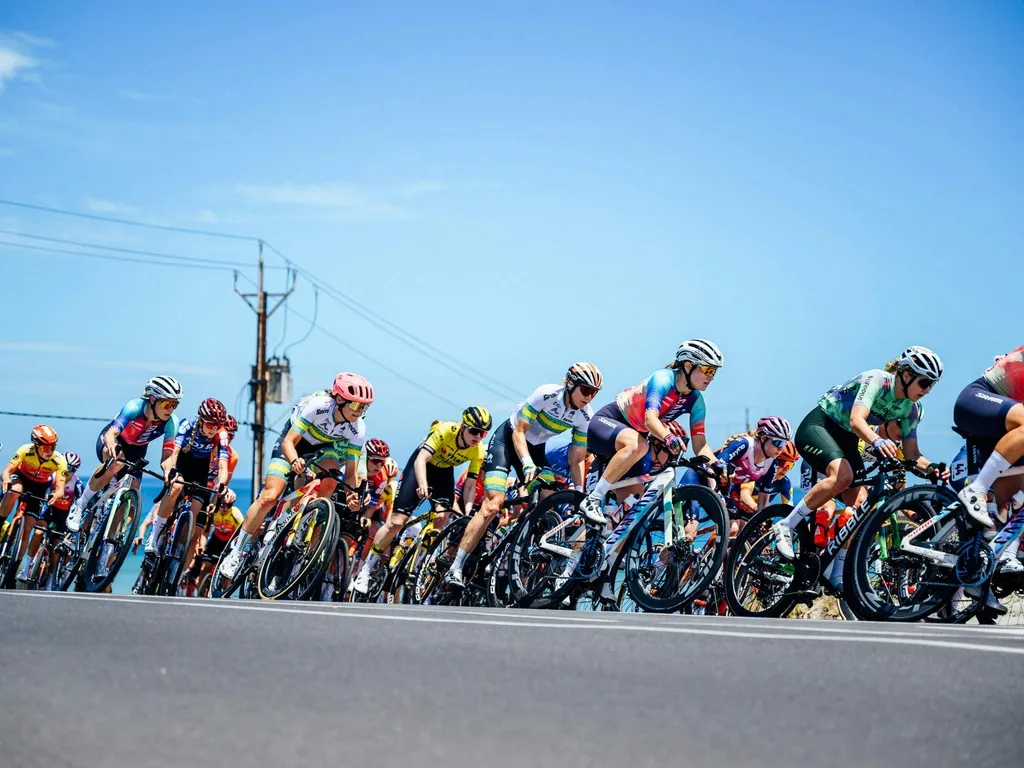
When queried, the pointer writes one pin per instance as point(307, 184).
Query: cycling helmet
point(163, 388)
point(587, 374)
point(212, 411)
point(377, 448)
point(477, 417)
point(774, 428)
point(74, 460)
point(231, 425)
point(354, 387)
point(679, 430)
point(921, 361)
point(44, 435)
point(700, 352)
point(390, 469)
point(788, 455)
point(229, 498)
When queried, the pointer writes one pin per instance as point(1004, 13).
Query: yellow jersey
point(29, 464)
point(442, 444)
point(226, 522)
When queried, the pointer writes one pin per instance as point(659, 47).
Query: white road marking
point(795, 634)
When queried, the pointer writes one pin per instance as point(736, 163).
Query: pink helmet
point(353, 387)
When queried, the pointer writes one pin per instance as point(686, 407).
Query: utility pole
point(258, 383)
point(747, 411)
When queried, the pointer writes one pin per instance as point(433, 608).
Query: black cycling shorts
point(981, 411)
point(441, 482)
point(502, 457)
point(820, 441)
point(604, 428)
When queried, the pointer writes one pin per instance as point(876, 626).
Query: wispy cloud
point(425, 187)
point(99, 205)
point(18, 57)
point(334, 196)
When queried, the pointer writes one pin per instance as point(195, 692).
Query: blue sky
point(813, 186)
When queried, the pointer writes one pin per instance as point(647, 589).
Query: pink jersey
point(1007, 376)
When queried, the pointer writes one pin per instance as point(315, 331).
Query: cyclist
point(751, 458)
point(225, 521)
point(430, 473)
point(140, 422)
point(381, 487)
point(991, 409)
point(519, 443)
point(828, 437)
point(620, 430)
point(57, 511)
point(31, 470)
point(333, 422)
point(231, 427)
point(781, 488)
point(197, 440)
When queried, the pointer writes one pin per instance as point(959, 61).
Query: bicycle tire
point(529, 569)
point(221, 587)
point(65, 568)
point(9, 546)
point(125, 501)
point(343, 568)
point(772, 576)
point(177, 549)
point(640, 569)
point(863, 571)
point(417, 556)
point(430, 581)
point(320, 513)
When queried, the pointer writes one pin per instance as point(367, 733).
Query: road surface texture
point(126, 681)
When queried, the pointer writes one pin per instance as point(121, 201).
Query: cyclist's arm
point(652, 420)
point(578, 465)
point(59, 481)
point(170, 461)
point(5, 476)
point(519, 442)
point(288, 445)
point(110, 441)
point(747, 497)
point(469, 492)
point(859, 424)
point(419, 466)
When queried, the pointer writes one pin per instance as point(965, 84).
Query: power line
point(53, 416)
point(312, 324)
point(111, 257)
point(129, 222)
point(125, 250)
point(377, 362)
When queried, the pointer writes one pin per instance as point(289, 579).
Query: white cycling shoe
point(454, 578)
point(231, 563)
point(1010, 565)
point(591, 509)
point(976, 505)
point(76, 515)
point(361, 583)
point(784, 539)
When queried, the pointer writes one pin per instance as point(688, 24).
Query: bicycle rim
point(125, 509)
point(758, 581)
point(296, 549)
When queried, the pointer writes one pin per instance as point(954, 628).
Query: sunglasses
point(780, 444)
point(476, 432)
point(587, 391)
point(356, 407)
point(709, 371)
point(172, 404)
point(374, 460)
point(925, 384)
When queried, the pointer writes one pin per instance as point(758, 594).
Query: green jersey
point(876, 391)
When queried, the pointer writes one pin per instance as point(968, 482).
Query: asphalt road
point(127, 681)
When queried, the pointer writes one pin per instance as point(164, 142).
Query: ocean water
point(150, 488)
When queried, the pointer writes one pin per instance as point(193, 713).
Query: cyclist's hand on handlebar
point(201, 546)
point(352, 500)
point(936, 472)
point(365, 522)
point(674, 443)
point(530, 473)
point(299, 465)
point(423, 491)
point(136, 544)
point(886, 448)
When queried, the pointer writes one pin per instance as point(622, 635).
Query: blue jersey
point(131, 424)
point(191, 440)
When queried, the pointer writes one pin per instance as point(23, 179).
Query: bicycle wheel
point(109, 550)
point(552, 552)
point(221, 587)
point(65, 567)
point(412, 565)
point(298, 550)
point(343, 567)
point(758, 581)
point(176, 548)
point(9, 553)
point(663, 577)
point(884, 582)
point(430, 581)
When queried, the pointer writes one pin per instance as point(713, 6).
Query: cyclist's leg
point(985, 413)
point(610, 437)
point(274, 486)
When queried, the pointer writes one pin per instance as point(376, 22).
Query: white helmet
point(775, 428)
point(700, 352)
point(587, 374)
point(922, 361)
point(163, 388)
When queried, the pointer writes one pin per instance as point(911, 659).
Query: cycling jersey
point(739, 455)
point(442, 442)
point(215, 466)
point(548, 415)
point(876, 391)
point(460, 485)
point(782, 488)
point(31, 466)
point(73, 488)
point(1007, 375)
point(191, 440)
point(658, 393)
point(382, 493)
point(225, 523)
point(314, 420)
point(133, 429)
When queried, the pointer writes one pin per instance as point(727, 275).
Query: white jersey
point(548, 415)
point(315, 422)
